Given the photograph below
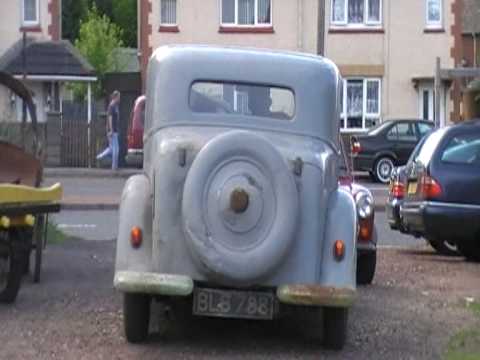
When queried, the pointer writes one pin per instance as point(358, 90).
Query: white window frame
point(365, 114)
point(176, 15)
point(366, 22)
point(236, 24)
point(434, 24)
point(30, 23)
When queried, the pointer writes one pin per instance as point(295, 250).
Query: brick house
point(386, 50)
point(48, 63)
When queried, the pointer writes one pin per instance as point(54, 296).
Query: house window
point(168, 12)
point(434, 13)
point(246, 12)
point(356, 12)
point(361, 103)
point(30, 12)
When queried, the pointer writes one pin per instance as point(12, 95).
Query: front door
point(427, 101)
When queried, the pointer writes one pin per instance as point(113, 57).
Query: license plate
point(233, 304)
point(412, 188)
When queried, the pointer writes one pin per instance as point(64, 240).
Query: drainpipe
point(321, 28)
point(300, 25)
point(475, 62)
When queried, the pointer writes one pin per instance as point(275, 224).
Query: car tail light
point(356, 147)
point(397, 190)
point(339, 250)
point(136, 237)
point(430, 188)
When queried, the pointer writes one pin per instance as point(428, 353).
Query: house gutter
point(300, 25)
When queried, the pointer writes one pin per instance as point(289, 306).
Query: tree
point(73, 12)
point(98, 38)
point(124, 14)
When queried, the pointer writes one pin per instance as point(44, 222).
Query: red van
point(135, 133)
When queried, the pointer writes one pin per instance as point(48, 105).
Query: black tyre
point(366, 264)
point(383, 169)
point(136, 317)
point(470, 249)
point(444, 247)
point(12, 264)
point(335, 327)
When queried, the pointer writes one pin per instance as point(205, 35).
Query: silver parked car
point(239, 212)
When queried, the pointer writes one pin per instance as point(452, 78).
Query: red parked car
point(135, 133)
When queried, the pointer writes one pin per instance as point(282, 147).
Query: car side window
point(463, 149)
point(393, 133)
point(424, 129)
point(406, 132)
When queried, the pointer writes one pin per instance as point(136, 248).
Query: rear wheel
point(366, 264)
point(335, 327)
point(383, 169)
point(136, 316)
point(444, 247)
point(470, 249)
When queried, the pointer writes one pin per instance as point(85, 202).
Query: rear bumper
point(153, 283)
point(441, 220)
point(134, 157)
point(392, 209)
point(180, 285)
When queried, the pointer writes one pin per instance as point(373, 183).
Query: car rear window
point(430, 145)
point(463, 149)
point(245, 99)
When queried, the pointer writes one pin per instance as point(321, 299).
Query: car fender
point(341, 225)
point(384, 153)
point(135, 210)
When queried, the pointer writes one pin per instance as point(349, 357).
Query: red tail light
point(398, 190)
point(430, 188)
point(356, 147)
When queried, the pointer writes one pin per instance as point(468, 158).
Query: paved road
point(410, 312)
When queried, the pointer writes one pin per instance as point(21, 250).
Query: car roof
point(314, 80)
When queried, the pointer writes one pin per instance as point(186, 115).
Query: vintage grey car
point(239, 212)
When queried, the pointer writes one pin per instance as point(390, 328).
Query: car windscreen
point(242, 99)
point(430, 145)
point(463, 149)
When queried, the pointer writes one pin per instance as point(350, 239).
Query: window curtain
point(339, 10)
point(433, 9)
point(355, 11)
point(373, 90)
point(264, 7)
point(246, 12)
point(228, 11)
point(30, 10)
point(169, 12)
point(374, 10)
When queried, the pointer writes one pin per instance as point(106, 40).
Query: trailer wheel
point(11, 270)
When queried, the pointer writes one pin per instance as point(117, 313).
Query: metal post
point(437, 115)
point(89, 120)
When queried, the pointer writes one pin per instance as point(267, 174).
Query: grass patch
point(466, 344)
point(54, 234)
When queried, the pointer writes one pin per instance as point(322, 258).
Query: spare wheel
point(240, 207)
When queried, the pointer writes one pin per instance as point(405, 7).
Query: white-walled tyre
point(383, 169)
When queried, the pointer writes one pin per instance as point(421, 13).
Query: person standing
point(113, 120)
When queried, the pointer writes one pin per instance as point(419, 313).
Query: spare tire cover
point(239, 207)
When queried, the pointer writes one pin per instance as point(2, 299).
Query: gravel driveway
point(411, 311)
